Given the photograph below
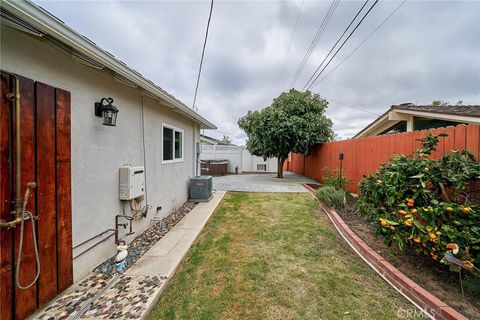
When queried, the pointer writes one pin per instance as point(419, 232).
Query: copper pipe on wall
point(95, 236)
point(114, 233)
point(15, 96)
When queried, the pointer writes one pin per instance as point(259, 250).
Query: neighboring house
point(74, 159)
point(239, 158)
point(409, 117)
point(206, 140)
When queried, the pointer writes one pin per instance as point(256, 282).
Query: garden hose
point(20, 244)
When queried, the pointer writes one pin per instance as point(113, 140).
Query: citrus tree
point(425, 203)
point(293, 122)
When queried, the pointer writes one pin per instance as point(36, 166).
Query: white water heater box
point(132, 182)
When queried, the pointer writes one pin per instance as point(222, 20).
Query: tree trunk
point(281, 160)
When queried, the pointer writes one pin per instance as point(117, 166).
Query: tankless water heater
point(132, 182)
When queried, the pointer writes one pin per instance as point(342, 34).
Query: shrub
point(425, 203)
point(332, 178)
point(331, 196)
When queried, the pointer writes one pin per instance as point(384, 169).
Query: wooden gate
point(45, 135)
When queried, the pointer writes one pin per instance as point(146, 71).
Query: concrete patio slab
point(262, 182)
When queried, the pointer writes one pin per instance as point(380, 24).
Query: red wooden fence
point(364, 155)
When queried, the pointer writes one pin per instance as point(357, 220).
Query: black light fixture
point(106, 110)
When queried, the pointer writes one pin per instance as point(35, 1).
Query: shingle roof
point(461, 110)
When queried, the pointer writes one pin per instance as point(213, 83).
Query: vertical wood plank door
point(45, 159)
point(26, 300)
point(6, 236)
point(64, 193)
point(46, 193)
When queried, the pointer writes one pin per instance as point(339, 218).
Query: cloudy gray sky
point(427, 50)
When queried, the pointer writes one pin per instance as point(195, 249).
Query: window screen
point(178, 145)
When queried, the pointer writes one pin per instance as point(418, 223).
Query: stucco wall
point(98, 151)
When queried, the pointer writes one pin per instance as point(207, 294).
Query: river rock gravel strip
point(141, 244)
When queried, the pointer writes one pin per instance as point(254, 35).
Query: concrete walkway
point(132, 295)
point(262, 182)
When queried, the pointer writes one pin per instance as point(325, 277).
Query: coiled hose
point(26, 213)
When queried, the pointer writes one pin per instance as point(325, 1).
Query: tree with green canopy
point(292, 123)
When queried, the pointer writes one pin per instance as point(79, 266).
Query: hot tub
point(214, 167)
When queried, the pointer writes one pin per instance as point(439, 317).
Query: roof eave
point(456, 117)
point(45, 22)
point(381, 119)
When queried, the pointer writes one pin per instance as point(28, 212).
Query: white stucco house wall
point(36, 45)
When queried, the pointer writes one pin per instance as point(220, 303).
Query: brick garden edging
point(424, 300)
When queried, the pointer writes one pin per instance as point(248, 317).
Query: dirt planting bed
point(431, 275)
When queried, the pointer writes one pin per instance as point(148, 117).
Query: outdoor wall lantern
point(107, 110)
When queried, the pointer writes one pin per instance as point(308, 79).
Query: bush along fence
point(363, 156)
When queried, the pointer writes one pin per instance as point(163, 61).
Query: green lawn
point(274, 256)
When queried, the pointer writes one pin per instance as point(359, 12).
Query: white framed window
point(172, 144)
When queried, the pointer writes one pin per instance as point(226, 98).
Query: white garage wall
point(251, 163)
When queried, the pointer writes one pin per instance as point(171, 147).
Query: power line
point(361, 43)
point(336, 52)
point(349, 105)
point(313, 44)
point(340, 38)
point(291, 39)
point(203, 53)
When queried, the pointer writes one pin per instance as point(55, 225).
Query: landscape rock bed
point(147, 239)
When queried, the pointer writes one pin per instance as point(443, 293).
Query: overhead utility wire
point(336, 52)
point(361, 43)
point(313, 44)
point(349, 105)
point(340, 38)
point(291, 39)
point(203, 53)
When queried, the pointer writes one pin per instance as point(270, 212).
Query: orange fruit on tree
point(449, 209)
point(384, 223)
point(417, 240)
point(409, 222)
point(432, 236)
point(468, 265)
point(414, 210)
point(392, 229)
point(402, 212)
